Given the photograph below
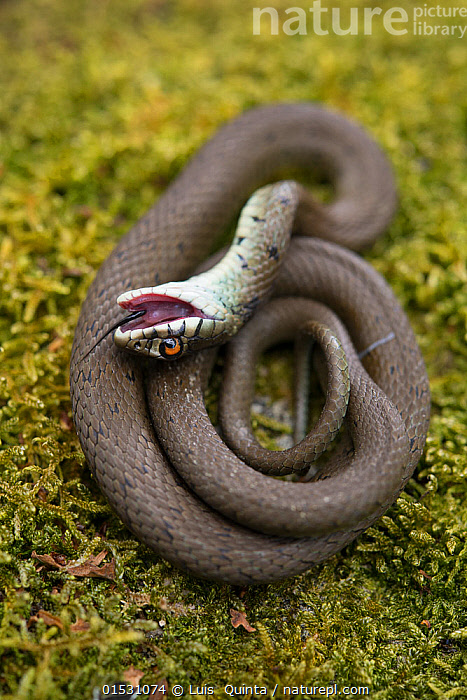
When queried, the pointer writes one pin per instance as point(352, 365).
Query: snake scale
point(204, 510)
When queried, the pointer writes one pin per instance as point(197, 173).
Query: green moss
point(102, 103)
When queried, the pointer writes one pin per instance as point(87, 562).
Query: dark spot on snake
point(284, 200)
point(248, 309)
point(258, 219)
point(239, 240)
point(156, 278)
point(169, 525)
point(180, 247)
point(244, 262)
point(222, 555)
point(137, 345)
point(391, 369)
point(273, 252)
point(130, 376)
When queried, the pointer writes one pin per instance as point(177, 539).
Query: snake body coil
point(130, 415)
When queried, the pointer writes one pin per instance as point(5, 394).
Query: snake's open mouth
point(155, 309)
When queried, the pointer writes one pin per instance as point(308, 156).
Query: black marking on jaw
point(239, 240)
point(284, 200)
point(171, 333)
point(198, 328)
point(258, 219)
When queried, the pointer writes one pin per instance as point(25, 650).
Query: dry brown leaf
point(55, 344)
point(133, 675)
point(72, 272)
point(92, 570)
point(47, 560)
point(65, 421)
point(98, 558)
point(91, 567)
point(80, 626)
point(47, 617)
point(161, 692)
point(423, 573)
point(238, 618)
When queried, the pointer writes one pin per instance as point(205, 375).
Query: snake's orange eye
point(170, 348)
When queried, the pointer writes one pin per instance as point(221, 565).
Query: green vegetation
point(101, 105)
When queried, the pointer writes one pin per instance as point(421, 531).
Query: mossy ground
point(101, 105)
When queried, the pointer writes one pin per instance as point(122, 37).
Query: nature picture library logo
point(419, 20)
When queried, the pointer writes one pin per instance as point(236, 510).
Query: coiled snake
point(240, 526)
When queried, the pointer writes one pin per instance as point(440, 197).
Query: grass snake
point(142, 424)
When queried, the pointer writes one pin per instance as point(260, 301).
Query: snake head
point(170, 320)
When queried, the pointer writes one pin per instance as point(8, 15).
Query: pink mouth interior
point(158, 308)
